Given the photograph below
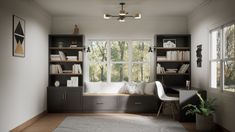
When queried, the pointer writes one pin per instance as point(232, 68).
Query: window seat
point(105, 97)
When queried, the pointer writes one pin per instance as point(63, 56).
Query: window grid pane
point(215, 74)
point(98, 51)
point(229, 76)
point(229, 45)
point(140, 51)
point(119, 51)
point(119, 72)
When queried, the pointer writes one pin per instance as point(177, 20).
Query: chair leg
point(172, 110)
point(159, 109)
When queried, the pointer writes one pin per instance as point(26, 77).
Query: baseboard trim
point(29, 122)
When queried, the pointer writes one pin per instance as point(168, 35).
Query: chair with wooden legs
point(165, 99)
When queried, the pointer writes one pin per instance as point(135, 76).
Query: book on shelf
point(160, 69)
point(55, 57)
point(80, 55)
point(55, 69)
point(62, 56)
point(72, 58)
point(183, 68)
point(177, 55)
point(77, 69)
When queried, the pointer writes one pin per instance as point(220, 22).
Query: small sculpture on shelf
point(76, 29)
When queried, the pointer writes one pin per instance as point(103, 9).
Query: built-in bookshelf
point(173, 59)
point(66, 60)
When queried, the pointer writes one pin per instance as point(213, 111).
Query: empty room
point(117, 66)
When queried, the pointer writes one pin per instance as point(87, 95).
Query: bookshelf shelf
point(66, 48)
point(177, 48)
point(66, 61)
point(65, 74)
point(178, 58)
point(173, 74)
point(173, 61)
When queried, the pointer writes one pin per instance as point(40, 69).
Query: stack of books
point(171, 70)
point(55, 57)
point(72, 58)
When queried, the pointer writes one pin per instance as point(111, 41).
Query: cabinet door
point(56, 99)
point(73, 97)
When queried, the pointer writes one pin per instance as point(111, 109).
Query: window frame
point(130, 62)
point(222, 58)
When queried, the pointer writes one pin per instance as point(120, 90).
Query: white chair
point(165, 99)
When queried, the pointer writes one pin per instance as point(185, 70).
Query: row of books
point(62, 57)
point(57, 69)
point(175, 55)
point(183, 69)
point(77, 69)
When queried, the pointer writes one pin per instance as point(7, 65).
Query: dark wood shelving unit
point(63, 98)
point(183, 43)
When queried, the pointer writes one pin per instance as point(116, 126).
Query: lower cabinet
point(64, 99)
point(131, 104)
point(100, 103)
point(143, 104)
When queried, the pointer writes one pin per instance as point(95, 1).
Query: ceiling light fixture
point(122, 15)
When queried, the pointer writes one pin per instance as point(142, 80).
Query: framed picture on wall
point(18, 48)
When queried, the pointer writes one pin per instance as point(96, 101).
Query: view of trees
point(124, 63)
point(229, 65)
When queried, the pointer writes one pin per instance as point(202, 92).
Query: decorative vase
point(204, 123)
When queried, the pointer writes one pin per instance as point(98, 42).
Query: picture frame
point(18, 36)
point(169, 43)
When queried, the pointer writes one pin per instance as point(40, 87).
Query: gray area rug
point(119, 123)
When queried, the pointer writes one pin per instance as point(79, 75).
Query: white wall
point(201, 21)
point(23, 81)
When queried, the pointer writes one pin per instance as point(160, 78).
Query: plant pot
point(204, 123)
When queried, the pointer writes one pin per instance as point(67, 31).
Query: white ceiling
point(99, 7)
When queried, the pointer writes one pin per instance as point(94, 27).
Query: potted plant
point(204, 113)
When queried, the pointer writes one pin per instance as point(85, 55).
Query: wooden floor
point(49, 122)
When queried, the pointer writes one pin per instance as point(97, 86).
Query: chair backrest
point(160, 90)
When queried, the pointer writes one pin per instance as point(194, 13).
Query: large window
point(222, 59)
point(117, 61)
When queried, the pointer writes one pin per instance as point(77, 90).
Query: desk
point(188, 97)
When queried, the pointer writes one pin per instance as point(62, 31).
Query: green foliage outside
point(119, 51)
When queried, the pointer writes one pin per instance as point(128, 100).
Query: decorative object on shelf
point(199, 55)
point(18, 36)
point(169, 43)
point(122, 15)
point(188, 84)
point(60, 44)
point(57, 83)
point(204, 113)
point(76, 29)
point(73, 82)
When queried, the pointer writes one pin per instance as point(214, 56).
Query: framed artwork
point(169, 43)
point(199, 55)
point(18, 48)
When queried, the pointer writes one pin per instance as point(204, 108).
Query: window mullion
point(130, 60)
point(108, 61)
